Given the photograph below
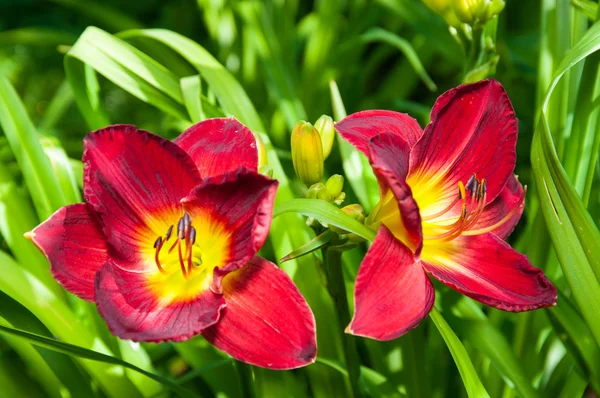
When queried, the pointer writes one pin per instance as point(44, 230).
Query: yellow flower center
point(440, 221)
point(186, 256)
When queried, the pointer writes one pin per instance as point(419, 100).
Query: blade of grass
point(79, 352)
point(25, 288)
point(461, 358)
point(326, 213)
point(384, 36)
point(22, 137)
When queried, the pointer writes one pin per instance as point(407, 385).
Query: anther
point(158, 244)
point(470, 185)
point(187, 221)
point(169, 232)
point(192, 235)
point(181, 228)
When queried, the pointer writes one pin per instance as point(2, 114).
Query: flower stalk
point(337, 290)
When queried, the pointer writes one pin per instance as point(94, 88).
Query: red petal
point(502, 207)
point(266, 322)
point(487, 269)
point(243, 200)
point(393, 293)
point(360, 127)
point(219, 145)
point(75, 246)
point(132, 179)
point(473, 129)
point(133, 310)
point(389, 159)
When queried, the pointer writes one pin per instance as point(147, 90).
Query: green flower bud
point(324, 126)
point(316, 190)
point(262, 151)
point(335, 185)
point(477, 11)
point(355, 211)
point(265, 170)
point(307, 153)
point(443, 8)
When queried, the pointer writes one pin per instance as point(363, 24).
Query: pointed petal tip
point(30, 235)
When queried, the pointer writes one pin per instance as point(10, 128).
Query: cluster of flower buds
point(311, 145)
point(331, 191)
point(477, 11)
point(470, 12)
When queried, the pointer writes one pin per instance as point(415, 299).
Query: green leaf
point(575, 236)
point(62, 168)
point(22, 136)
point(79, 352)
point(230, 94)
point(36, 36)
point(191, 88)
point(326, 213)
point(382, 35)
point(461, 358)
point(376, 384)
point(53, 312)
point(310, 247)
point(104, 14)
point(125, 66)
point(46, 365)
point(579, 338)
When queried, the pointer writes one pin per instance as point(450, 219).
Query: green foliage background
point(271, 64)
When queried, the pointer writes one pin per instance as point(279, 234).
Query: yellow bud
point(324, 126)
point(307, 153)
point(443, 8)
point(439, 6)
point(477, 11)
point(355, 211)
point(265, 170)
point(262, 151)
point(335, 185)
point(316, 190)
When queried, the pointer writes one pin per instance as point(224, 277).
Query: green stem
point(337, 291)
point(246, 374)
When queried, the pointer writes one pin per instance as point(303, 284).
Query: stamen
point(158, 245)
point(181, 258)
point(501, 222)
point(455, 231)
point(461, 196)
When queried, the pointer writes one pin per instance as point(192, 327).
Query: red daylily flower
point(448, 199)
point(166, 244)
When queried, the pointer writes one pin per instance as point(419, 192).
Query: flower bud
point(443, 8)
point(335, 185)
point(477, 11)
point(262, 151)
point(266, 171)
point(307, 153)
point(316, 191)
point(324, 126)
point(355, 211)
